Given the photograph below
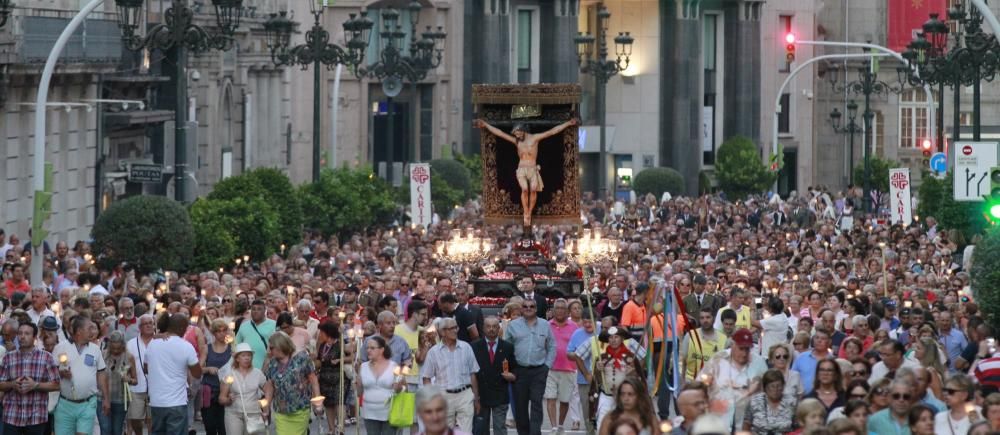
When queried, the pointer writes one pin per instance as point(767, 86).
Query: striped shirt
point(988, 371)
point(30, 408)
point(450, 369)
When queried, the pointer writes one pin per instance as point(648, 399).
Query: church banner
point(420, 194)
point(906, 18)
point(899, 196)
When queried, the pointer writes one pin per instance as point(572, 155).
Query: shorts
point(138, 407)
point(559, 385)
point(72, 417)
point(529, 178)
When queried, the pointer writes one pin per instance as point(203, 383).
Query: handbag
point(402, 409)
point(254, 425)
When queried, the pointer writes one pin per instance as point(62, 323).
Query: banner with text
point(420, 194)
point(906, 19)
point(899, 196)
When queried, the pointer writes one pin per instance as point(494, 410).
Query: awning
point(138, 117)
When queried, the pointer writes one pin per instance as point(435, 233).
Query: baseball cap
point(743, 337)
point(50, 323)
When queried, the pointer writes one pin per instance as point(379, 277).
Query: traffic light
point(926, 146)
point(993, 199)
point(790, 47)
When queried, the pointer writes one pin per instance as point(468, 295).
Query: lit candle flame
point(229, 379)
point(666, 427)
point(63, 358)
point(263, 403)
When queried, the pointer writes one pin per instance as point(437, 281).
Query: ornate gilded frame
point(559, 103)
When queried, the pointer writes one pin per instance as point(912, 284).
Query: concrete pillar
point(742, 70)
point(681, 89)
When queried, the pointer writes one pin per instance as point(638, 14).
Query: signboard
point(899, 195)
point(420, 194)
point(906, 18)
point(973, 161)
point(145, 173)
point(939, 163)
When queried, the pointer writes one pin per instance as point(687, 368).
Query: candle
point(232, 326)
point(908, 304)
point(63, 358)
point(666, 427)
point(230, 379)
point(263, 403)
point(229, 339)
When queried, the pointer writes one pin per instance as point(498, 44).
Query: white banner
point(899, 196)
point(420, 194)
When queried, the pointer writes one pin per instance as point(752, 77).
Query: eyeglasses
point(880, 391)
point(781, 356)
point(450, 328)
point(800, 344)
point(526, 306)
point(901, 396)
point(858, 396)
point(951, 390)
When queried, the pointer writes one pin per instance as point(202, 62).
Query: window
point(376, 44)
point(965, 119)
point(525, 31)
point(913, 122)
point(784, 23)
point(784, 118)
point(709, 51)
point(877, 134)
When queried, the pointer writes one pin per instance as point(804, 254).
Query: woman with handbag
point(291, 385)
point(376, 383)
point(240, 393)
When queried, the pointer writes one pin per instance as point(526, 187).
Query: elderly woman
point(770, 411)
point(432, 408)
point(121, 371)
point(240, 391)
point(291, 384)
point(779, 357)
point(960, 397)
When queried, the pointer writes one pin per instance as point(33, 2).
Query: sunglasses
point(527, 306)
point(858, 396)
point(799, 344)
point(879, 391)
point(951, 390)
point(901, 396)
point(781, 356)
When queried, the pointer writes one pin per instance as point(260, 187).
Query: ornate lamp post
point(316, 51)
point(397, 63)
point(866, 84)
point(179, 32)
point(589, 250)
point(6, 7)
point(850, 129)
point(602, 69)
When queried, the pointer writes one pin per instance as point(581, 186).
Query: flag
point(906, 18)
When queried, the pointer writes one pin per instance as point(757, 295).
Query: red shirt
point(12, 288)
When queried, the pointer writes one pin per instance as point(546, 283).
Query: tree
point(251, 225)
point(474, 164)
point(150, 232)
point(455, 174)
point(346, 200)
point(740, 170)
point(272, 186)
point(985, 275)
point(937, 199)
point(880, 173)
point(657, 181)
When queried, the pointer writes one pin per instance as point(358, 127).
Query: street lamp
point(850, 129)
point(602, 69)
point(179, 32)
point(397, 63)
point(866, 84)
point(316, 51)
point(6, 7)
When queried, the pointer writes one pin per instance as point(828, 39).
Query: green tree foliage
point(985, 276)
point(740, 170)
point(272, 186)
point(880, 173)
point(346, 200)
point(474, 164)
point(251, 224)
point(657, 181)
point(937, 199)
point(454, 173)
point(214, 245)
point(150, 232)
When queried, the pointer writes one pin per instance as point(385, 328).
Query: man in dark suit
point(463, 295)
point(700, 298)
point(527, 286)
point(491, 354)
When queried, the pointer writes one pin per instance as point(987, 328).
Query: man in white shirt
point(39, 305)
point(891, 352)
point(138, 347)
point(81, 366)
point(167, 366)
point(453, 367)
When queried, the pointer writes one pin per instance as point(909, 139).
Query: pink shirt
point(562, 335)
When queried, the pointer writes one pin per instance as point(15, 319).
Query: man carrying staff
point(529, 175)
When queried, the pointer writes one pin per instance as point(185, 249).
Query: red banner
point(906, 18)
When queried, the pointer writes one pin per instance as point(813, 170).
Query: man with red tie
point(496, 373)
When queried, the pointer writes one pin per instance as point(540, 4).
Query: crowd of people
point(800, 315)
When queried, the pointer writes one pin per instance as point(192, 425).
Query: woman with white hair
point(121, 371)
point(432, 410)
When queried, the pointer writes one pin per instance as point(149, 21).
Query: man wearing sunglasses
point(535, 352)
point(893, 420)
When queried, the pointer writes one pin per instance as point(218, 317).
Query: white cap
point(99, 290)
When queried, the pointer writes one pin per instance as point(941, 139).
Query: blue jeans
point(169, 420)
point(114, 423)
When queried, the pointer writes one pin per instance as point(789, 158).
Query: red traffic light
point(925, 144)
point(790, 38)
